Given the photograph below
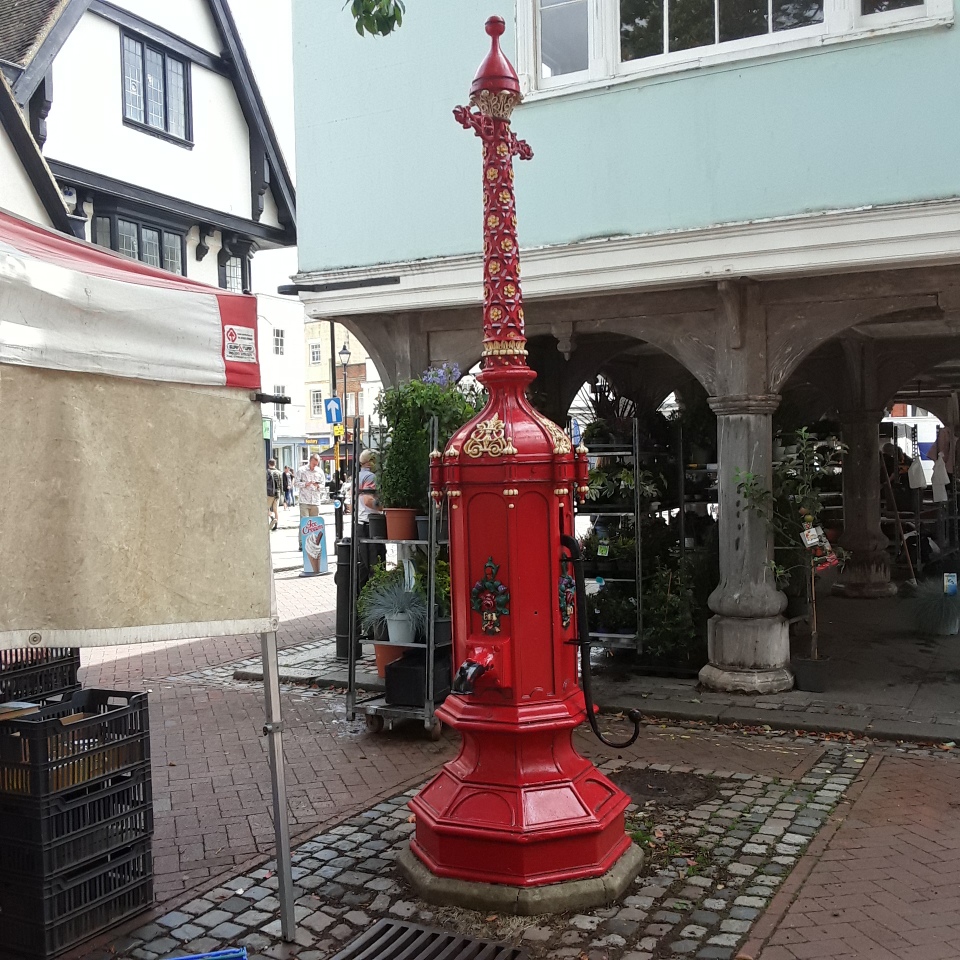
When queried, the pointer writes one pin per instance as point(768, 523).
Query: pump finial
point(496, 74)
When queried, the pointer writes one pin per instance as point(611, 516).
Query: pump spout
point(467, 675)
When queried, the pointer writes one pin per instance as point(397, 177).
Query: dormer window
point(155, 90)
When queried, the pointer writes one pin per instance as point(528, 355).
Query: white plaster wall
point(86, 128)
point(189, 19)
point(17, 194)
point(274, 313)
point(269, 217)
point(207, 269)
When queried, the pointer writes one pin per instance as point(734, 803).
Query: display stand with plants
point(653, 567)
point(612, 552)
point(418, 583)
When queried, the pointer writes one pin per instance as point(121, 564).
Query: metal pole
point(337, 478)
point(354, 579)
point(273, 731)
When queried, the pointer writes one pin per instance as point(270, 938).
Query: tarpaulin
point(134, 502)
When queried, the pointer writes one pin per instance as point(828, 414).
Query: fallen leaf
point(490, 919)
point(412, 818)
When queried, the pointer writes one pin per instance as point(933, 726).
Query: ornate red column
point(519, 808)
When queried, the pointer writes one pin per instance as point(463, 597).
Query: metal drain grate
point(397, 940)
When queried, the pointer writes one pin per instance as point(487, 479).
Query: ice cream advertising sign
point(313, 538)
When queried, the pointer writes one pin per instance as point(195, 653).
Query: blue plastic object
point(237, 953)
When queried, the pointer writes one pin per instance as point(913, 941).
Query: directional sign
point(334, 410)
point(575, 432)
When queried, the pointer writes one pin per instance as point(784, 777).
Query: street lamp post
point(344, 355)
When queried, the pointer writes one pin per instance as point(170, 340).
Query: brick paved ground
point(880, 880)
point(886, 885)
point(211, 777)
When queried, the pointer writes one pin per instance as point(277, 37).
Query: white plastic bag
point(915, 474)
point(939, 480)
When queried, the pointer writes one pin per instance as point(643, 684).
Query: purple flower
point(501, 589)
point(445, 375)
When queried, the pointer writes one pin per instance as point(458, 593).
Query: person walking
point(367, 503)
point(310, 484)
point(287, 487)
point(274, 488)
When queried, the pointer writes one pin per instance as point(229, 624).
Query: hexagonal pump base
point(523, 901)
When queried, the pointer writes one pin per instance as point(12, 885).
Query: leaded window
point(155, 88)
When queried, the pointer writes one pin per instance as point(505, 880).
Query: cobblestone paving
point(725, 859)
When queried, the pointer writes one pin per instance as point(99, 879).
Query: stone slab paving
point(935, 719)
point(714, 870)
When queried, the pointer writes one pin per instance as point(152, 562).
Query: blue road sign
point(575, 431)
point(334, 410)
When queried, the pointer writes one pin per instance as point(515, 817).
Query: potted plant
point(674, 634)
point(935, 610)
point(391, 598)
point(790, 505)
point(442, 624)
point(403, 471)
point(613, 610)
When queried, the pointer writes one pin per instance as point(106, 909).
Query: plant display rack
point(685, 473)
point(380, 714)
point(940, 521)
point(76, 818)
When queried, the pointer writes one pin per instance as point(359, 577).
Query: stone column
point(866, 574)
point(748, 641)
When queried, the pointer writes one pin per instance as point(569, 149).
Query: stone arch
point(804, 315)
point(681, 323)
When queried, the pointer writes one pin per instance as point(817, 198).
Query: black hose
point(584, 642)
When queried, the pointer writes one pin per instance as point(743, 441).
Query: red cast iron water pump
point(519, 806)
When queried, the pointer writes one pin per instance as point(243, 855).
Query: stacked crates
point(76, 818)
point(33, 674)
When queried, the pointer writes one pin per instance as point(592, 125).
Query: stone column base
point(864, 591)
point(726, 680)
point(571, 895)
point(748, 655)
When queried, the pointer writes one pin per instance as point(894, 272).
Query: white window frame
point(351, 404)
point(315, 345)
point(316, 405)
point(279, 409)
point(842, 22)
point(278, 339)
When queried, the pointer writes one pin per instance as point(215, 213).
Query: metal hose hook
point(583, 641)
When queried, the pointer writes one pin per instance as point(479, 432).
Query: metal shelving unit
point(616, 640)
point(637, 458)
point(378, 713)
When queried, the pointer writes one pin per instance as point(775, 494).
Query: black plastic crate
point(47, 836)
point(30, 674)
point(405, 680)
point(43, 919)
point(53, 752)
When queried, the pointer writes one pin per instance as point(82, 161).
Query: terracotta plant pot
point(401, 523)
point(385, 653)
